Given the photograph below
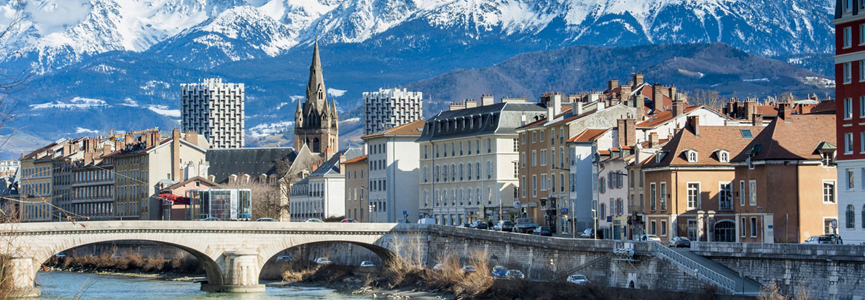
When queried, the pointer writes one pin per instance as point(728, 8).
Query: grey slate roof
point(502, 118)
point(330, 167)
point(252, 161)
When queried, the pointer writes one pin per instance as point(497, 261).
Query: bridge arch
point(208, 263)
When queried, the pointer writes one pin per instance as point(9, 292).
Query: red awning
point(174, 198)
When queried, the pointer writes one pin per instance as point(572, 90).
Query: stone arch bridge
point(231, 253)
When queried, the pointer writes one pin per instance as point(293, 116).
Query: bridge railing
point(700, 270)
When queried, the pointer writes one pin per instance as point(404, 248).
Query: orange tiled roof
point(356, 160)
point(413, 128)
point(587, 135)
point(711, 139)
point(825, 107)
point(794, 140)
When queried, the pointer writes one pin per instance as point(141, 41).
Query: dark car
point(543, 231)
point(679, 241)
point(504, 225)
point(478, 225)
point(499, 272)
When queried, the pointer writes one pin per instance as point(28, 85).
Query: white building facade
point(468, 162)
point(320, 195)
point(214, 109)
point(393, 173)
point(389, 108)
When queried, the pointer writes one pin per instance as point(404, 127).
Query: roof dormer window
point(691, 155)
point(723, 156)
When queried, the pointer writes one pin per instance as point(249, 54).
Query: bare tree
point(264, 198)
point(11, 81)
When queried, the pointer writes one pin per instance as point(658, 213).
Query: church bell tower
point(316, 123)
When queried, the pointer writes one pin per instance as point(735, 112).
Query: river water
point(67, 285)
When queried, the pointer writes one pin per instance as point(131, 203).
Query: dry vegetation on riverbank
point(129, 262)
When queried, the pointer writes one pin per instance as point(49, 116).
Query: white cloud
point(296, 98)
point(163, 110)
point(54, 15)
point(76, 102)
point(79, 130)
point(336, 92)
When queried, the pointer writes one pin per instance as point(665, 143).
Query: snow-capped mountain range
point(56, 33)
point(117, 64)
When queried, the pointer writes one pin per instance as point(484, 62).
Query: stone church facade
point(316, 121)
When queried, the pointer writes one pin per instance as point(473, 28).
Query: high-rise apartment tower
point(389, 108)
point(214, 109)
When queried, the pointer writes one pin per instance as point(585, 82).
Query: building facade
point(356, 187)
point(388, 108)
point(214, 109)
point(8, 167)
point(393, 173)
point(468, 161)
point(320, 195)
point(316, 122)
point(850, 104)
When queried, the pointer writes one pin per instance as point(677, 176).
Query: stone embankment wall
point(545, 258)
point(824, 271)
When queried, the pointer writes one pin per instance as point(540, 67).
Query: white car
point(469, 269)
point(438, 267)
point(578, 279)
point(322, 261)
point(283, 258)
point(650, 238)
point(367, 263)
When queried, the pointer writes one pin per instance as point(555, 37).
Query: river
point(67, 285)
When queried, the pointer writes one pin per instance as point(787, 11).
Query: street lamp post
point(594, 224)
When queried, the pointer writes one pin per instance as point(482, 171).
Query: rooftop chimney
point(694, 123)
point(554, 106)
point(487, 100)
point(653, 140)
point(620, 132)
point(626, 94)
point(757, 119)
point(471, 103)
point(658, 96)
point(457, 106)
point(678, 107)
point(631, 132)
point(613, 84)
point(784, 111)
point(577, 108)
point(638, 78)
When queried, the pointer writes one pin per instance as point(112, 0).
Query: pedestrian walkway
point(743, 285)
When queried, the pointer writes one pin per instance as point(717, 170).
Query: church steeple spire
point(316, 93)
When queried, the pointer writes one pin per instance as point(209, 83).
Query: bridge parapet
point(781, 251)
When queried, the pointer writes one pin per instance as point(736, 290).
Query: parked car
point(469, 269)
point(515, 274)
point(265, 220)
point(349, 221)
point(61, 254)
point(478, 225)
point(314, 220)
point(504, 225)
point(650, 238)
point(283, 258)
point(438, 267)
point(499, 272)
point(578, 279)
point(211, 219)
point(322, 261)
point(543, 231)
point(588, 234)
point(367, 263)
point(679, 241)
point(525, 225)
point(829, 239)
point(115, 256)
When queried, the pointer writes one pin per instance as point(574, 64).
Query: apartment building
point(389, 108)
point(321, 195)
point(147, 161)
point(393, 173)
point(8, 167)
point(850, 103)
point(35, 185)
point(215, 110)
point(468, 160)
point(544, 158)
point(786, 186)
point(690, 180)
point(666, 123)
point(92, 190)
point(356, 186)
